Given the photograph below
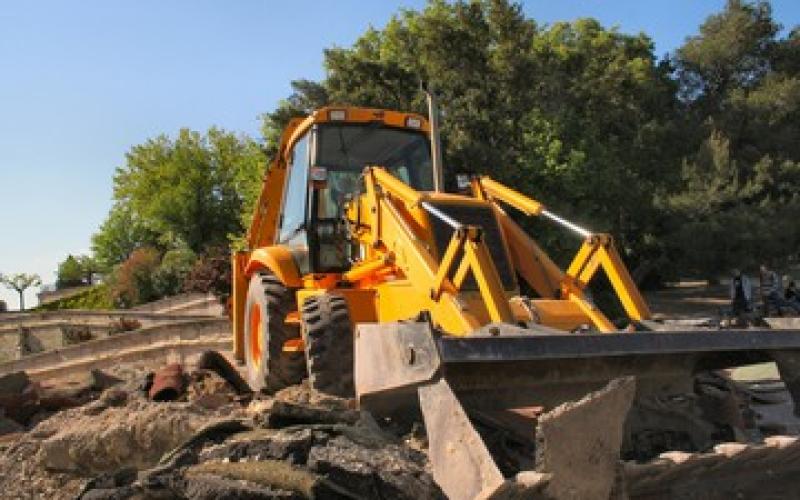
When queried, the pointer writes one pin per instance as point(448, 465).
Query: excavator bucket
point(511, 377)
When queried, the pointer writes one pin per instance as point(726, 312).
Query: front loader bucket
point(491, 375)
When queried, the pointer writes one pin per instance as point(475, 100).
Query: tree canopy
point(77, 270)
point(740, 194)
point(189, 190)
point(69, 273)
point(691, 161)
point(581, 116)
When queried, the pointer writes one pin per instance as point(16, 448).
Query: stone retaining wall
point(201, 332)
point(27, 333)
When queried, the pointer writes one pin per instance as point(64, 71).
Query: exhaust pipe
point(436, 145)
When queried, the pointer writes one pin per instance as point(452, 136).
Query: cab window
point(351, 147)
point(296, 195)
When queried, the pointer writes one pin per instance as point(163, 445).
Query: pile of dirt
point(56, 435)
point(210, 437)
point(57, 456)
point(287, 451)
point(24, 402)
point(199, 432)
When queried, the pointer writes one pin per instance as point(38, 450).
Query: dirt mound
point(134, 435)
point(118, 429)
point(103, 437)
point(214, 440)
point(290, 450)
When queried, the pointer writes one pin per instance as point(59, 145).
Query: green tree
point(90, 267)
point(70, 273)
point(580, 116)
point(190, 190)
point(175, 266)
point(741, 85)
point(306, 97)
point(732, 51)
point(19, 283)
point(119, 235)
point(77, 270)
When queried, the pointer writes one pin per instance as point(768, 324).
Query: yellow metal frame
point(390, 211)
point(597, 252)
point(402, 273)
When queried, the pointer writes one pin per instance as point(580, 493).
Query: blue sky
point(81, 82)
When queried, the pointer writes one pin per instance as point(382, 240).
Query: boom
point(385, 221)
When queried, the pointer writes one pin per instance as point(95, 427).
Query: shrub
point(175, 267)
point(132, 283)
point(211, 273)
point(96, 297)
point(75, 334)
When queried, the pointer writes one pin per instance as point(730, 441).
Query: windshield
point(406, 154)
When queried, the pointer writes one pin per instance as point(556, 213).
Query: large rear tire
point(265, 331)
point(329, 345)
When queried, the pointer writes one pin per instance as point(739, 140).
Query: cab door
point(293, 231)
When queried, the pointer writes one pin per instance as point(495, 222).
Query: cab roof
point(333, 114)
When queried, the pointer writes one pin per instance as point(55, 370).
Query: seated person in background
point(792, 293)
point(772, 292)
point(741, 293)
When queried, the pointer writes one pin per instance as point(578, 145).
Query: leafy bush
point(171, 274)
point(96, 297)
point(75, 334)
point(211, 273)
point(132, 283)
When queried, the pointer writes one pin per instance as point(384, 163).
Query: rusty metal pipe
point(168, 383)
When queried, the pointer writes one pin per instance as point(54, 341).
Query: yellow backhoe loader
point(362, 275)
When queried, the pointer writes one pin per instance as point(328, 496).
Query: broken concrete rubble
point(221, 442)
point(133, 436)
point(578, 443)
point(27, 402)
point(346, 457)
point(18, 397)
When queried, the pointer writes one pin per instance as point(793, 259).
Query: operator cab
point(338, 151)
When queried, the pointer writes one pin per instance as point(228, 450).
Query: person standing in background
point(741, 293)
point(792, 294)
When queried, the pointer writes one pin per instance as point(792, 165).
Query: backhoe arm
point(596, 252)
point(385, 219)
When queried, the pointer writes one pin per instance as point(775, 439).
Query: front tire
point(265, 332)
point(329, 345)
